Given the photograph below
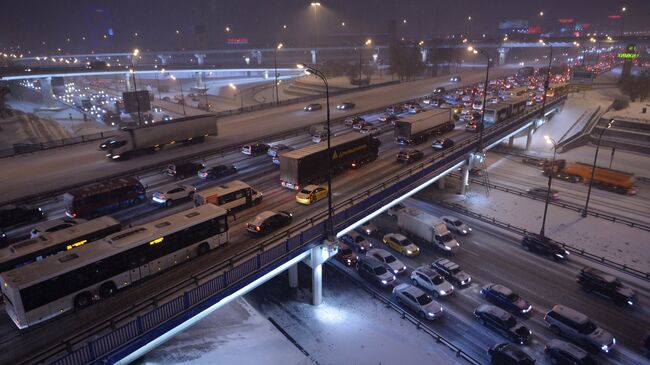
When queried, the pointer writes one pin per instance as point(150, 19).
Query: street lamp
point(329, 226)
point(485, 91)
point(550, 141)
point(135, 54)
point(367, 43)
point(548, 77)
point(623, 10)
point(275, 62)
point(182, 96)
point(315, 5)
point(593, 168)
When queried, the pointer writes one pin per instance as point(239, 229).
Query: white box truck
point(426, 227)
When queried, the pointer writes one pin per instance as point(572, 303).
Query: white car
point(170, 193)
point(430, 280)
point(373, 131)
point(54, 225)
point(456, 225)
point(391, 263)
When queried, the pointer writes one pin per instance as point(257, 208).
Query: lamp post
point(135, 54)
point(329, 226)
point(275, 62)
point(182, 96)
point(315, 5)
point(367, 43)
point(551, 141)
point(548, 77)
point(623, 10)
point(593, 168)
point(485, 91)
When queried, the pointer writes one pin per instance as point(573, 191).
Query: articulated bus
point(230, 196)
point(74, 279)
point(47, 244)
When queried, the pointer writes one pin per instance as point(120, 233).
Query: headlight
point(442, 292)
point(605, 348)
point(431, 314)
point(349, 261)
point(408, 252)
point(558, 255)
point(116, 157)
point(464, 231)
point(384, 282)
point(447, 248)
point(526, 310)
point(630, 302)
point(396, 271)
point(404, 268)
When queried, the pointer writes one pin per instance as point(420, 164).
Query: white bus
point(74, 279)
point(50, 243)
point(230, 196)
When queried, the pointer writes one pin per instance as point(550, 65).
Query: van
point(578, 328)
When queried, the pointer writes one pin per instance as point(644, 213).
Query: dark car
point(509, 354)
point(255, 148)
point(505, 298)
point(565, 353)
point(346, 255)
point(350, 121)
point(409, 155)
point(502, 322)
point(356, 241)
point(442, 144)
point(183, 169)
point(361, 124)
point(346, 105)
point(107, 144)
point(217, 171)
point(439, 90)
point(312, 107)
point(544, 246)
point(455, 78)
point(452, 272)
point(606, 285)
point(397, 109)
point(542, 192)
point(373, 270)
point(12, 215)
point(269, 221)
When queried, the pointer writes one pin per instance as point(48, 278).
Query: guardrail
point(572, 249)
point(120, 335)
point(572, 207)
point(22, 148)
point(406, 315)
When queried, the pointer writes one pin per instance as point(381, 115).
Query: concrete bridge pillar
point(128, 79)
point(293, 276)
point(424, 52)
point(502, 55)
point(529, 137)
point(46, 91)
point(258, 55)
point(164, 58)
point(317, 260)
point(313, 56)
point(442, 183)
point(511, 142)
point(200, 60)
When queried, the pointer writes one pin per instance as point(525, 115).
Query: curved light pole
point(550, 141)
point(485, 91)
point(315, 5)
point(548, 77)
point(329, 226)
point(367, 43)
point(275, 62)
point(593, 168)
point(135, 54)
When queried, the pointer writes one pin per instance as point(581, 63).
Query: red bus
point(104, 197)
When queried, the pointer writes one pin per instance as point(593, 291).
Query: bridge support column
point(442, 183)
point(293, 276)
point(258, 55)
point(164, 58)
point(129, 81)
point(200, 60)
point(313, 56)
point(502, 55)
point(424, 52)
point(529, 137)
point(317, 259)
point(511, 142)
point(464, 184)
point(46, 90)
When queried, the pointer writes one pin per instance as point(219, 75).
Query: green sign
point(628, 55)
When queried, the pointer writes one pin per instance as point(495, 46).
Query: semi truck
point(607, 179)
point(419, 225)
point(416, 129)
point(308, 165)
point(131, 140)
point(499, 112)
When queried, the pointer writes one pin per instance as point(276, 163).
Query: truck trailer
point(131, 140)
point(604, 178)
point(419, 225)
point(308, 165)
point(416, 129)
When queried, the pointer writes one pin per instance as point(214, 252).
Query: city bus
point(50, 243)
point(74, 279)
point(103, 197)
point(230, 196)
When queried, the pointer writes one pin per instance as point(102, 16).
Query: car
point(275, 149)
point(166, 118)
point(439, 90)
point(311, 194)
point(578, 328)
point(415, 108)
point(371, 269)
point(456, 225)
point(183, 169)
point(509, 354)
point(370, 130)
point(530, 102)
point(356, 241)
point(312, 107)
point(345, 106)
point(255, 148)
point(565, 353)
point(505, 298)
point(503, 323)
point(13, 215)
point(452, 272)
point(269, 221)
point(361, 124)
point(397, 109)
point(427, 278)
point(392, 211)
point(167, 195)
point(473, 126)
point(401, 244)
point(542, 245)
point(351, 121)
point(388, 118)
point(542, 192)
point(108, 144)
point(217, 171)
point(442, 144)
point(418, 301)
point(391, 263)
point(606, 285)
point(455, 79)
point(369, 229)
point(276, 160)
point(54, 225)
point(409, 155)
point(560, 175)
point(534, 161)
point(346, 255)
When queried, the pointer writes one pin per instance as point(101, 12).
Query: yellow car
point(311, 194)
point(401, 244)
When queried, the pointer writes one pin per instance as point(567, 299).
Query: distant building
point(513, 26)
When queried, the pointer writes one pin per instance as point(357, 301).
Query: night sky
point(30, 22)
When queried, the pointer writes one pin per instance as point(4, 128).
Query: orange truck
point(604, 178)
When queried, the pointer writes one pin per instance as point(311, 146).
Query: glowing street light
point(275, 63)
